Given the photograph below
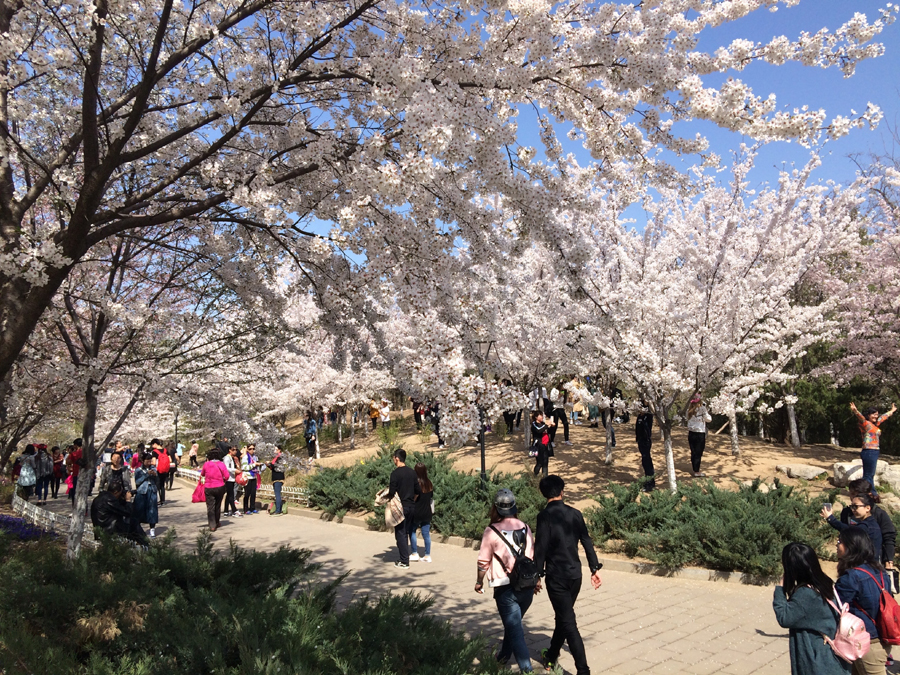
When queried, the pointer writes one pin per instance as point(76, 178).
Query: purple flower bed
point(23, 530)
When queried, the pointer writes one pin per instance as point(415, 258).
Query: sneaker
point(401, 565)
point(414, 557)
point(254, 511)
point(152, 532)
point(426, 558)
point(567, 442)
point(276, 513)
point(545, 659)
point(227, 514)
point(237, 514)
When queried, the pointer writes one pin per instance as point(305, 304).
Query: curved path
point(633, 624)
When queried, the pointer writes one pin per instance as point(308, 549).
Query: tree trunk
point(834, 439)
point(792, 423)
point(340, 426)
point(761, 426)
point(76, 530)
point(527, 435)
point(732, 422)
point(608, 460)
point(666, 430)
point(352, 430)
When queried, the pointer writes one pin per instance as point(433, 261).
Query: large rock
point(804, 471)
point(844, 472)
point(891, 476)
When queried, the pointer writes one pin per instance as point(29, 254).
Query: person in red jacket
point(74, 462)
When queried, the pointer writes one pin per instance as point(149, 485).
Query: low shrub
point(461, 503)
point(743, 530)
point(117, 610)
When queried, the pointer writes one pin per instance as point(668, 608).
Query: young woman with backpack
point(859, 584)
point(496, 562)
point(801, 605)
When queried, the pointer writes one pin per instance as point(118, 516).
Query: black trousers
point(542, 462)
point(644, 445)
point(563, 593)
point(509, 418)
point(402, 532)
point(229, 497)
point(559, 414)
point(54, 486)
point(171, 475)
point(417, 416)
point(697, 441)
point(161, 479)
point(250, 494)
point(214, 505)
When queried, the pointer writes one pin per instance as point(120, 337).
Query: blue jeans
point(426, 535)
point(870, 461)
point(512, 606)
point(42, 487)
point(276, 487)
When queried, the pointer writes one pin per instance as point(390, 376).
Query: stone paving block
point(705, 667)
point(631, 667)
point(633, 624)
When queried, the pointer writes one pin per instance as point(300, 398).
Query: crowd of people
point(551, 409)
point(514, 562)
point(814, 606)
point(132, 482)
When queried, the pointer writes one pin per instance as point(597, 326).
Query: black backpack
point(524, 574)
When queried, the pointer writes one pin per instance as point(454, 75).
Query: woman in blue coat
point(801, 605)
point(861, 515)
point(146, 499)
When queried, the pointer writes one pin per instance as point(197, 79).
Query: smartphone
point(827, 505)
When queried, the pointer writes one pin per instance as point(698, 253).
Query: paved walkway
point(633, 624)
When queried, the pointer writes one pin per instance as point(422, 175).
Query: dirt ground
point(581, 465)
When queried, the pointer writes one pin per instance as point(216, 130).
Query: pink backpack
point(851, 641)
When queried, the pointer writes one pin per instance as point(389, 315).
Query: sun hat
point(505, 501)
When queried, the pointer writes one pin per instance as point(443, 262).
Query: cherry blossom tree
point(868, 286)
point(703, 295)
point(397, 121)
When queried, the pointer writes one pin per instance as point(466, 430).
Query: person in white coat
point(698, 417)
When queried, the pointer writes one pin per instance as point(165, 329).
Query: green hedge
point(743, 530)
point(123, 612)
point(461, 503)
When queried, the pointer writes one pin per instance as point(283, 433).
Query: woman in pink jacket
point(213, 475)
point(495, 561)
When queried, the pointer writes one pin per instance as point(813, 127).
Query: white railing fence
point(50, 521)
point(297, 495)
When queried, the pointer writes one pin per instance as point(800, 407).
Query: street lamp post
point(484, 348)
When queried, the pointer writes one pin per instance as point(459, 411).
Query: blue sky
point(876, 80)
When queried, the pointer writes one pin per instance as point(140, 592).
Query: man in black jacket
point(405, 483)
point(559, 530)
point(110, 512)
